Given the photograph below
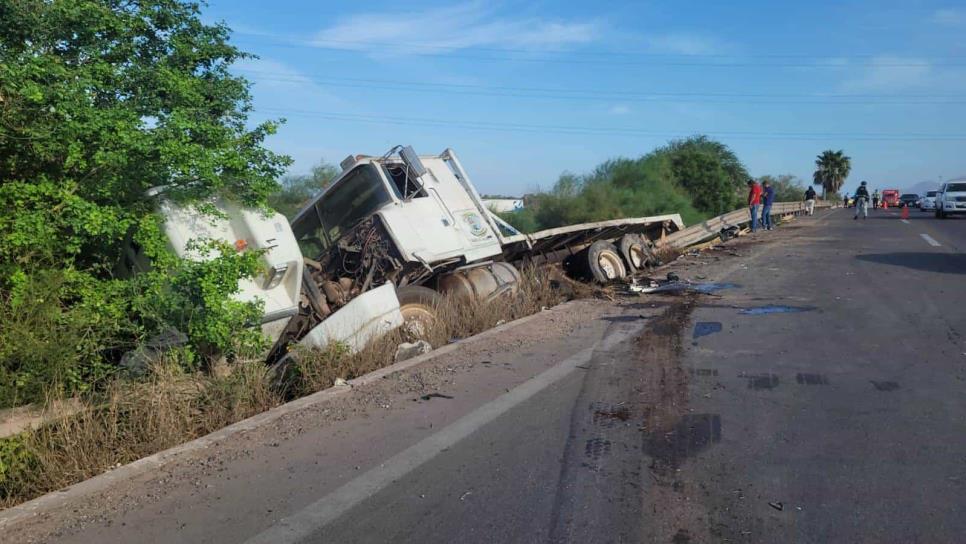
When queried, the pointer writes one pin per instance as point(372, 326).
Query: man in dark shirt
point(768, 198)
point(810, 201)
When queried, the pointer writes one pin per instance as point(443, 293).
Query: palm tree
point(832, 167)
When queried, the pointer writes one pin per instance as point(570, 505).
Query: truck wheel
point(634, 252)
point(418, 306)
point(604, 262)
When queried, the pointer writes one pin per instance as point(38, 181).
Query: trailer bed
point(575, 237)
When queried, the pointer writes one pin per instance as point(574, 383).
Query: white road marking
point(306, 522)
point(929, 240)
point(906, 221)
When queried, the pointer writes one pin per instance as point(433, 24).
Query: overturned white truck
point(387, 237)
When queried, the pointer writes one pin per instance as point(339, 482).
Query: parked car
point(951, 199)
point(928, 202)
point(909, 199)
point(890, 197)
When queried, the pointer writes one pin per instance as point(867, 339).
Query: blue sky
point(526, 90)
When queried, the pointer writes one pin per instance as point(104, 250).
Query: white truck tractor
point(388, 236)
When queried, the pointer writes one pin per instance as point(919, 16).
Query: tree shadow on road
point(944, 263)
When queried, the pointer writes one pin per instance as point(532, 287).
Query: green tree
point(709, 170)
point(788, 188)
point(101, 100)
point(297, 189)
point(832, 168)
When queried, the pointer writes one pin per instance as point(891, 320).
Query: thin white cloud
point(891, 73)
point(461, 26)
point(949, 17)
point(685, 44)
point(278, 85)
point(619, 109)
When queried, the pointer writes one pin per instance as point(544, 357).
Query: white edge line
point(102, 482)
point(307, 521)
point(929, 240)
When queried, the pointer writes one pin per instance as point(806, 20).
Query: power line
point(608, 131)
point(606, 57)
point(598, 95)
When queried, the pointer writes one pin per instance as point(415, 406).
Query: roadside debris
point(677, 286)
point(777, 506)
point(408, 350)
point(340, 382)
point(435, 396)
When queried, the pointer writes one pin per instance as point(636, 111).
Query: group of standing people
point(764, 196)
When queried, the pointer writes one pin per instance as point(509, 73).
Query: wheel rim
point(610, 264)
point(637, 257)
point(418, 318)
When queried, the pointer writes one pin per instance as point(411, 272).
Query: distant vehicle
point(928, 201)
point(909, 199)
point(890, 197)
point(951, 199)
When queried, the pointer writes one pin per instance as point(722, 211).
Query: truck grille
point(961, 199)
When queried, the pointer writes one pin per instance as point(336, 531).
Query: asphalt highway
point(818, 396)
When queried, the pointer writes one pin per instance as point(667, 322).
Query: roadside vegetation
point(125, 420)
point(697, 177)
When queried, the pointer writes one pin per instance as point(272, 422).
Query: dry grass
point(130, 420)
point(540, 288)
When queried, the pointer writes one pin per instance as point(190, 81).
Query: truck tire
point(418, 306)
point(634, 250)
point(604, 262)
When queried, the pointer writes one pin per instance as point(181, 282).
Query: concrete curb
point(103, 481)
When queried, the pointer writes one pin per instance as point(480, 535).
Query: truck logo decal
point(475, 224)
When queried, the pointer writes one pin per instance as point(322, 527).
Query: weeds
point(128, 420)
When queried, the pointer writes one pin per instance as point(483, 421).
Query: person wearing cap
point(754, 198)
point(862, 201)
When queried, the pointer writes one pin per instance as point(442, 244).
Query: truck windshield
point(357, 196)
point(956, 187)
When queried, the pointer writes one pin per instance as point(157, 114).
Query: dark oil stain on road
point(681, 537)
point(811, 379)
point(761, 381)
point(703, 371)
point(704, 328)
point(692, 434)
point(885, 386)
point(775, 309)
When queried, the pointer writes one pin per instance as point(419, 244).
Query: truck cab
point(429, 213)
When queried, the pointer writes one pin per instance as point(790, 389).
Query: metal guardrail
point(705, 230)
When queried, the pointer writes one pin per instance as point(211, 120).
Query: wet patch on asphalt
point(775, 309)
point(691, 435)
point(704, 328)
